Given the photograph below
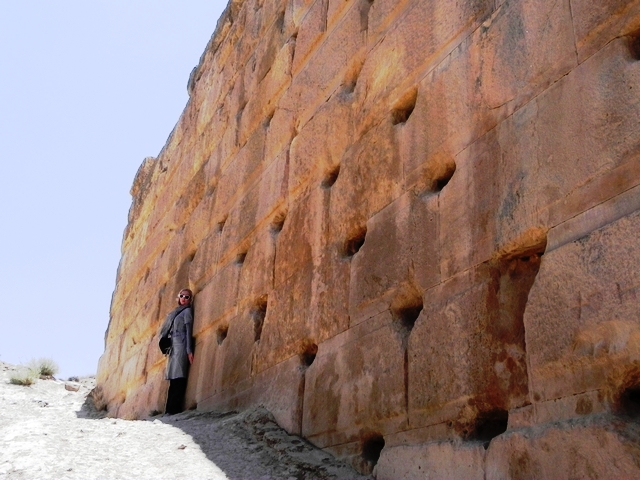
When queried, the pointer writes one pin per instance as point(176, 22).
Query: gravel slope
point(49, 432)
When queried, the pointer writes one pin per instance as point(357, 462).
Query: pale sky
point(88, 89)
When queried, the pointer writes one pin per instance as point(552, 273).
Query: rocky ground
point(50, 431)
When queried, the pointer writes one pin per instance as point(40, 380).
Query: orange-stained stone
point(411, 230)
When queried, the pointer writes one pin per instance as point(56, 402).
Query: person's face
point(184, 298)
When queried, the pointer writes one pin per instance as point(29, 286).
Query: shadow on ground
point(238, 442)
point(249, 445)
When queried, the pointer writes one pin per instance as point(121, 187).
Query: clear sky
point(88, 89)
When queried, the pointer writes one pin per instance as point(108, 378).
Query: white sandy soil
point(49, 432)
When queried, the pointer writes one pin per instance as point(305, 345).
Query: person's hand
point(190, 355)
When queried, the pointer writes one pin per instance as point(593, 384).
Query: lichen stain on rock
point(521, 467)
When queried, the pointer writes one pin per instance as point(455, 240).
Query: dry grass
point(43, 367)
point(24, 377)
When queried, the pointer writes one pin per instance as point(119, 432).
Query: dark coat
point(181, 341)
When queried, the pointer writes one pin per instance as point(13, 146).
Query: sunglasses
point(185, 296)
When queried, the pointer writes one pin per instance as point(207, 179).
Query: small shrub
point(73, 379)
point(43, 367)
point(22, 377)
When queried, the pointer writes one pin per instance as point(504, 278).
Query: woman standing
point(179, 325)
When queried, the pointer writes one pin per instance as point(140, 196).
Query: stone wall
point(411, 229)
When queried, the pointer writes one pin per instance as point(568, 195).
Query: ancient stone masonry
point(412, 231)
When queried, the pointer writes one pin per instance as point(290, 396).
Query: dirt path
point(48, 432)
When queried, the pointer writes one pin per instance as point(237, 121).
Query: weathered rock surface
point(411, 229)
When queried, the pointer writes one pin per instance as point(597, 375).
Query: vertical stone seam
point(573, 31)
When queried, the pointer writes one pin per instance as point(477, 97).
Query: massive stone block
point(541, 452)
point(410, 227)
point(588, 340)
point(354, 387)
